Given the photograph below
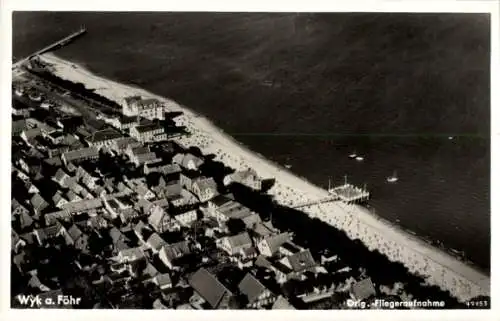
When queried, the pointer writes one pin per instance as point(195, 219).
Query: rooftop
point(240, 240)
point(81, 153)
point(148, 127)
point(301, 261)
point(251, 287)
point(104, 135)
point(208, 287)
point(363, 289)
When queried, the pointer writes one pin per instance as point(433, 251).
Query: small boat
point(360, 158)
point(353, 155)
point(450, 137)
point(393, 178)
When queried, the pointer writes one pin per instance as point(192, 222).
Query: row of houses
point(162, 227)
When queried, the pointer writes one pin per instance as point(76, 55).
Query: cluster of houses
point(172, 235)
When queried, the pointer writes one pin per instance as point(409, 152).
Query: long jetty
point(52, 46)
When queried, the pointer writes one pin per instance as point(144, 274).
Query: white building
point(148, 108)
point(148, 132)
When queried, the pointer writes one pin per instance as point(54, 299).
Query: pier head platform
point(349, 193)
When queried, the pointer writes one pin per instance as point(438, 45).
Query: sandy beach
point(436, 266)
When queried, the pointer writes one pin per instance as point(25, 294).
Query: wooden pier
point(346, 193)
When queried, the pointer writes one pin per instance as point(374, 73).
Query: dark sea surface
point(309, 89)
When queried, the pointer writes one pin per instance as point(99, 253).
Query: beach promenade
point(436, 266)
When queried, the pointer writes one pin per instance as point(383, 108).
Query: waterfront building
point(205, 188)
point(289, 248)
point(188, 161)
point(152, 132)
point(217, 202)
point(263, 229)
point(270, 245)
point(122, 122)
point(247, 178)
point(251, 220)
point(150, 108)
point(230, 210)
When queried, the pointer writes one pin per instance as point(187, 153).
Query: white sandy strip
point(438, 267)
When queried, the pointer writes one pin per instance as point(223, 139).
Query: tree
point(97, 244)
point(238, 301)
point(290, 288)
point(235, 226)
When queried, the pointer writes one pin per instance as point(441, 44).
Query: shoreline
point(443, 270)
